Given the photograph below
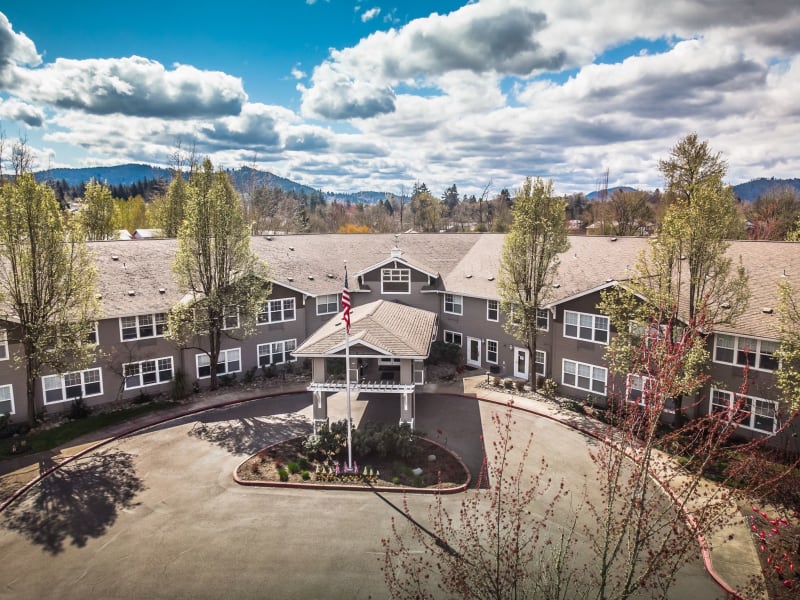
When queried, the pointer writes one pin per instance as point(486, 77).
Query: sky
point(346, 95)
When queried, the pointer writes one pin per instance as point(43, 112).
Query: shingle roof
point(390, 328)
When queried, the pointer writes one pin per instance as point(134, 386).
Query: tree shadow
point(76, 502)
point(247, 435)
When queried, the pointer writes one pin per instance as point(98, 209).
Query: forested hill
point(748, 192)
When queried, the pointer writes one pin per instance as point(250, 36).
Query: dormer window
point(395, 281)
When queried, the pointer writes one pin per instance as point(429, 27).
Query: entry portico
point(388, 344)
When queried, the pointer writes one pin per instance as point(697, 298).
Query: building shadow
point(76, 502)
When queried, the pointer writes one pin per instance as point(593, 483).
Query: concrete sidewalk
point(732, 552)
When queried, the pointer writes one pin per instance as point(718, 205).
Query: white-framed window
point(640, 387)
point(229, 361)
point(93, 337)
point(492, 348)
point(541, 362)
point(395, 281)
point(586, 326)
point(753, 413)
point(492, 310)
point(7, 400)
point(452, 337)
point(582, 376)
point(230, 317)
point(389, 361)
point(277, 311)
point(542, 319)
point(276, 353)
point(67, 386)
point(3, 344)
point(738, 350)
point(453, 304)
point(147, 372)
point(328, 304)
point(142, 326)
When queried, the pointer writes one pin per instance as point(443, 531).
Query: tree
point(630, 212)
point(530, 260)
point(47, 282)
point(788, 374)
point(425, 208)
point(97, 214)
point(169, 209)
point(774, 213)
point(226, 281)
point(131, 214)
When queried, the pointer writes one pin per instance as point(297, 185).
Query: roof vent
point(784, 273)
point(114, 257)
point(311, 277)
point(269, 238)
point(468, 276)
point(291, 248)
point(162, 291)
point(98, 296)
point(330, 275)
point(683, 257)
point(290, 278)
point(490, 278)
point(725, 305)
point(609, 279)
point(131, 292)
point(767, 310)
point(614, 239)
point(556, 285)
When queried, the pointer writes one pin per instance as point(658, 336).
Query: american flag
point(346, 303)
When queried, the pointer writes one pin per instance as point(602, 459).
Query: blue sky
point(345, 95)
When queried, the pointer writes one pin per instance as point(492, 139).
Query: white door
point(521, 363)
point(473, 352)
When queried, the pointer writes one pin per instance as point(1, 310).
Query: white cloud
point(21, 112)
point(370, 14)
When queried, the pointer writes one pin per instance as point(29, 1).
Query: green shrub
point(227, 380)
point(574, 406)
point(417, 481)
point(303, 462)
point(548, 388)
point(283, 474)
point(444, 353)
point(520, 385)
point(293, 467)
point(329, 440)
point(305, 475)
point(268, 371)
point(79, 409)
point(179, 388)
point(384, 440)
point(508, 383)
point(250, 375)
point(395, 480)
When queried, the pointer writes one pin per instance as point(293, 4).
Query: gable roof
point(384, 327)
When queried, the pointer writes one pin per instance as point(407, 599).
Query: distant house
point(124, 234)
point(146, 234)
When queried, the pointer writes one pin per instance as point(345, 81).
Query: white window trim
point(497, 311)
point(388, 276)
point(96, 332)
point(546, 314)
point(459, 304)
point(544, 363)
point(266, 309)
point(64, 387)
point(13, 410)
point(222, 359)
point(4, 344)
point(284, 351)
point(496, 352)
point(735, 350)
point(591, 376)
point(156, 323)
point(158, 370)
point(227, 313)
point(753, 399)
point(452, 334)
point(594, 327)
point(327, 304)
point(389, 361)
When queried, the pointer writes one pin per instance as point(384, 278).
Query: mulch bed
point(446, 471)
point(777, 541)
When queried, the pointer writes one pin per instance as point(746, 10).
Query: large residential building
point(448, 279)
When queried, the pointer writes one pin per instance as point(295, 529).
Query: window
point(92, 337)
point(6, 400)
point(328, 305)
point(735, 350)
point(229, 361)
point(753, 413)
point(492, 310)
point(389, 362)
point(147, 372)
point(491, 351)
point(452, 337)
point(542, 319)
point(3, 344)
point(142, 326)
point(540, 362)
point(78, 384)
point(230, 317)
point(395, 281)
point(584, 377)
point(277, 311)
point(636, 386)
point(585, 326)
point(453, 304)
point(276, 353)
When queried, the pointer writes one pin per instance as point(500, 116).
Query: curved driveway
point(157, 514)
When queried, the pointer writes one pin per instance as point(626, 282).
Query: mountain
point(748, 192)
point(622, 188)
point(120, 174)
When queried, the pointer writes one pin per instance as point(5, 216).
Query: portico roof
point(378, 329)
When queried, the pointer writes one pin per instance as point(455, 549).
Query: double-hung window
point(395, 281)
point(3, 344)
point(586, 326)
point(753, 352)
point(66, 386)
point(750, 412)
point(276, 353)
point(539, 366)
point(492, 310)
point(453, 304)
point(6, 400)
point(147, 372)
point(229, 361)
point(142, 326)
point(230, 317)
point(582, 376)
point(491, 351)
point(277, 311)
point(542, 319)
point(452, 337)
point(328, 304)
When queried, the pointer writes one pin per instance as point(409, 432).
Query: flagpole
point(347, 383)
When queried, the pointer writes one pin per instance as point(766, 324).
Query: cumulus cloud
point(370, 14)
point(22, 112)
point(15, 49)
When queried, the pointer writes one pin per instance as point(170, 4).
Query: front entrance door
point(521, 363)
point(473, 352)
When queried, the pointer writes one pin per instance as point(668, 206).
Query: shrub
point(384, 440)
point(303, 462)
point(268, 371)
point(508, 383)
point(283, 474)
point(496, 381)
point(305, 475)
point(395, 480)
point(548, 387)
point(293, 467)
point(328, 441)
point(79, 409)
point(250, 375)
point(417, 481)
point(179, 388)
point(254, 467)
point(4, 422)
point(142, 398)
point(442, 352)
point(520, 385)
point(227, 380)
point(574, 406)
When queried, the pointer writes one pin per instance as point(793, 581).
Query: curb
point(357, 487)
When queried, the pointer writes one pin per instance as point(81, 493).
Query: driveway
point(157, 514)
